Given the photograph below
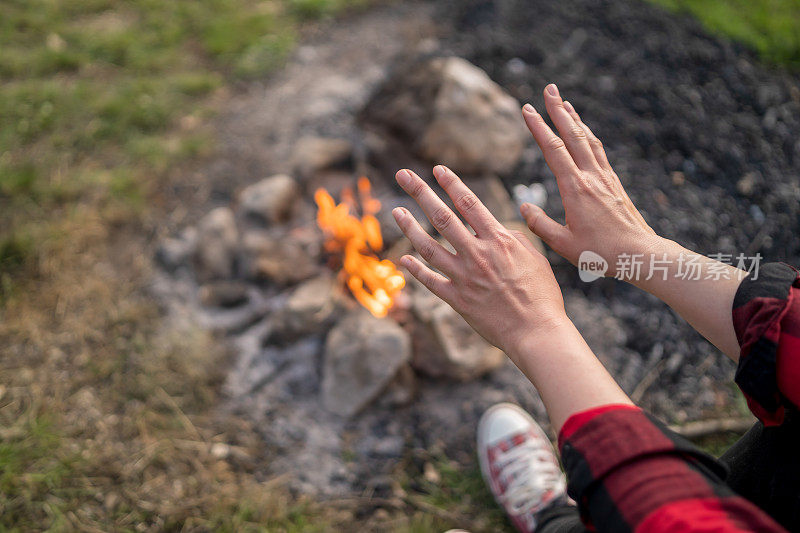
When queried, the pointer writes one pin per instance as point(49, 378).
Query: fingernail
point(403, 177)
point(397, 212)
point(405, 261)
point(552, 90)
point(528, 108)
point(568, 106)
point(439, 171)
point(525, 209)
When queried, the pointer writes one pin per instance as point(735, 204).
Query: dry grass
point(108, 416)
point(107, 419)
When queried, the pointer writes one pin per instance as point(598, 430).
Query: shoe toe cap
point(502, 422)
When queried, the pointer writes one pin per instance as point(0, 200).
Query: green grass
point(717, 444)
point(455, 497)
point(33, 469)
point(84, 83)
point(771, 27)
point(99, 85)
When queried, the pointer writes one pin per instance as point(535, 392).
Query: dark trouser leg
point(765, 468)
point(560, 519)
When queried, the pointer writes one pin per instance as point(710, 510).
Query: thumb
point(550, 231)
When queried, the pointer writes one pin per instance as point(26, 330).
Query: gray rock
point(223, 294)
point(279, 259)
point(175, 252)
point(217, 241)
point(402, 390)
point(231, 320)
point(362, 356)
point(308, 309)
point(313, 154)
point(271, 199)
point(445, 346)
point(535, 193)
point(452, 113)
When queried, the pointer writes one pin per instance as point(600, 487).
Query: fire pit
point(336, 348)
point(256, 271)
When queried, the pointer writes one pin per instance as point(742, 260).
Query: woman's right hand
point(600, 216)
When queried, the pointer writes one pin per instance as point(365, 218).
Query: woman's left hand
point(497, 280)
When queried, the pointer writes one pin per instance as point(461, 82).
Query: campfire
point(373, 282)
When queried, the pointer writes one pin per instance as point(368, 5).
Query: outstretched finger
point(572, 134)
point(430, 250)
point(471, 208)
point(442, 217)
point(594, 142)
point(555, 151)
point(436, 283)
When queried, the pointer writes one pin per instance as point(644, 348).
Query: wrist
point(655, 254)
point(631, 247)
point(660, 247)
point(539, 340)
point(652, 244)
point(565, 371)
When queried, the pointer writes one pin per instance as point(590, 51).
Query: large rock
point(445, 346)
point(217, 241)
point(308, 309)
point(451, 112)
point(279, 259)
point(363, 354)
point(271, 199)
point(313, 154)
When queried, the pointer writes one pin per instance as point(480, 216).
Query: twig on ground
point(648, 379)
point(703, 428)
point(188, 425)
point(422, 505)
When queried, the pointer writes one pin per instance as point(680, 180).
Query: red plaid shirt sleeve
point(628, 472)
point(766, 317)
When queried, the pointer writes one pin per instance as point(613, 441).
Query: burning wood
point(373, 282)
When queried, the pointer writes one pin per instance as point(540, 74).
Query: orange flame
point(373, 282)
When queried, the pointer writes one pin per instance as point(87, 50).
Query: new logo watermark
point(591, 266)
point(635, 267)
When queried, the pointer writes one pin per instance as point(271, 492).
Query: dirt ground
point(700, 132)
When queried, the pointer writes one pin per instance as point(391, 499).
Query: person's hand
point(600, 216)
point(496, 280)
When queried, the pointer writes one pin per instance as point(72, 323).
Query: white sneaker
point(519, 464)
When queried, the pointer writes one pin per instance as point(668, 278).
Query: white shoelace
point(531, 472)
